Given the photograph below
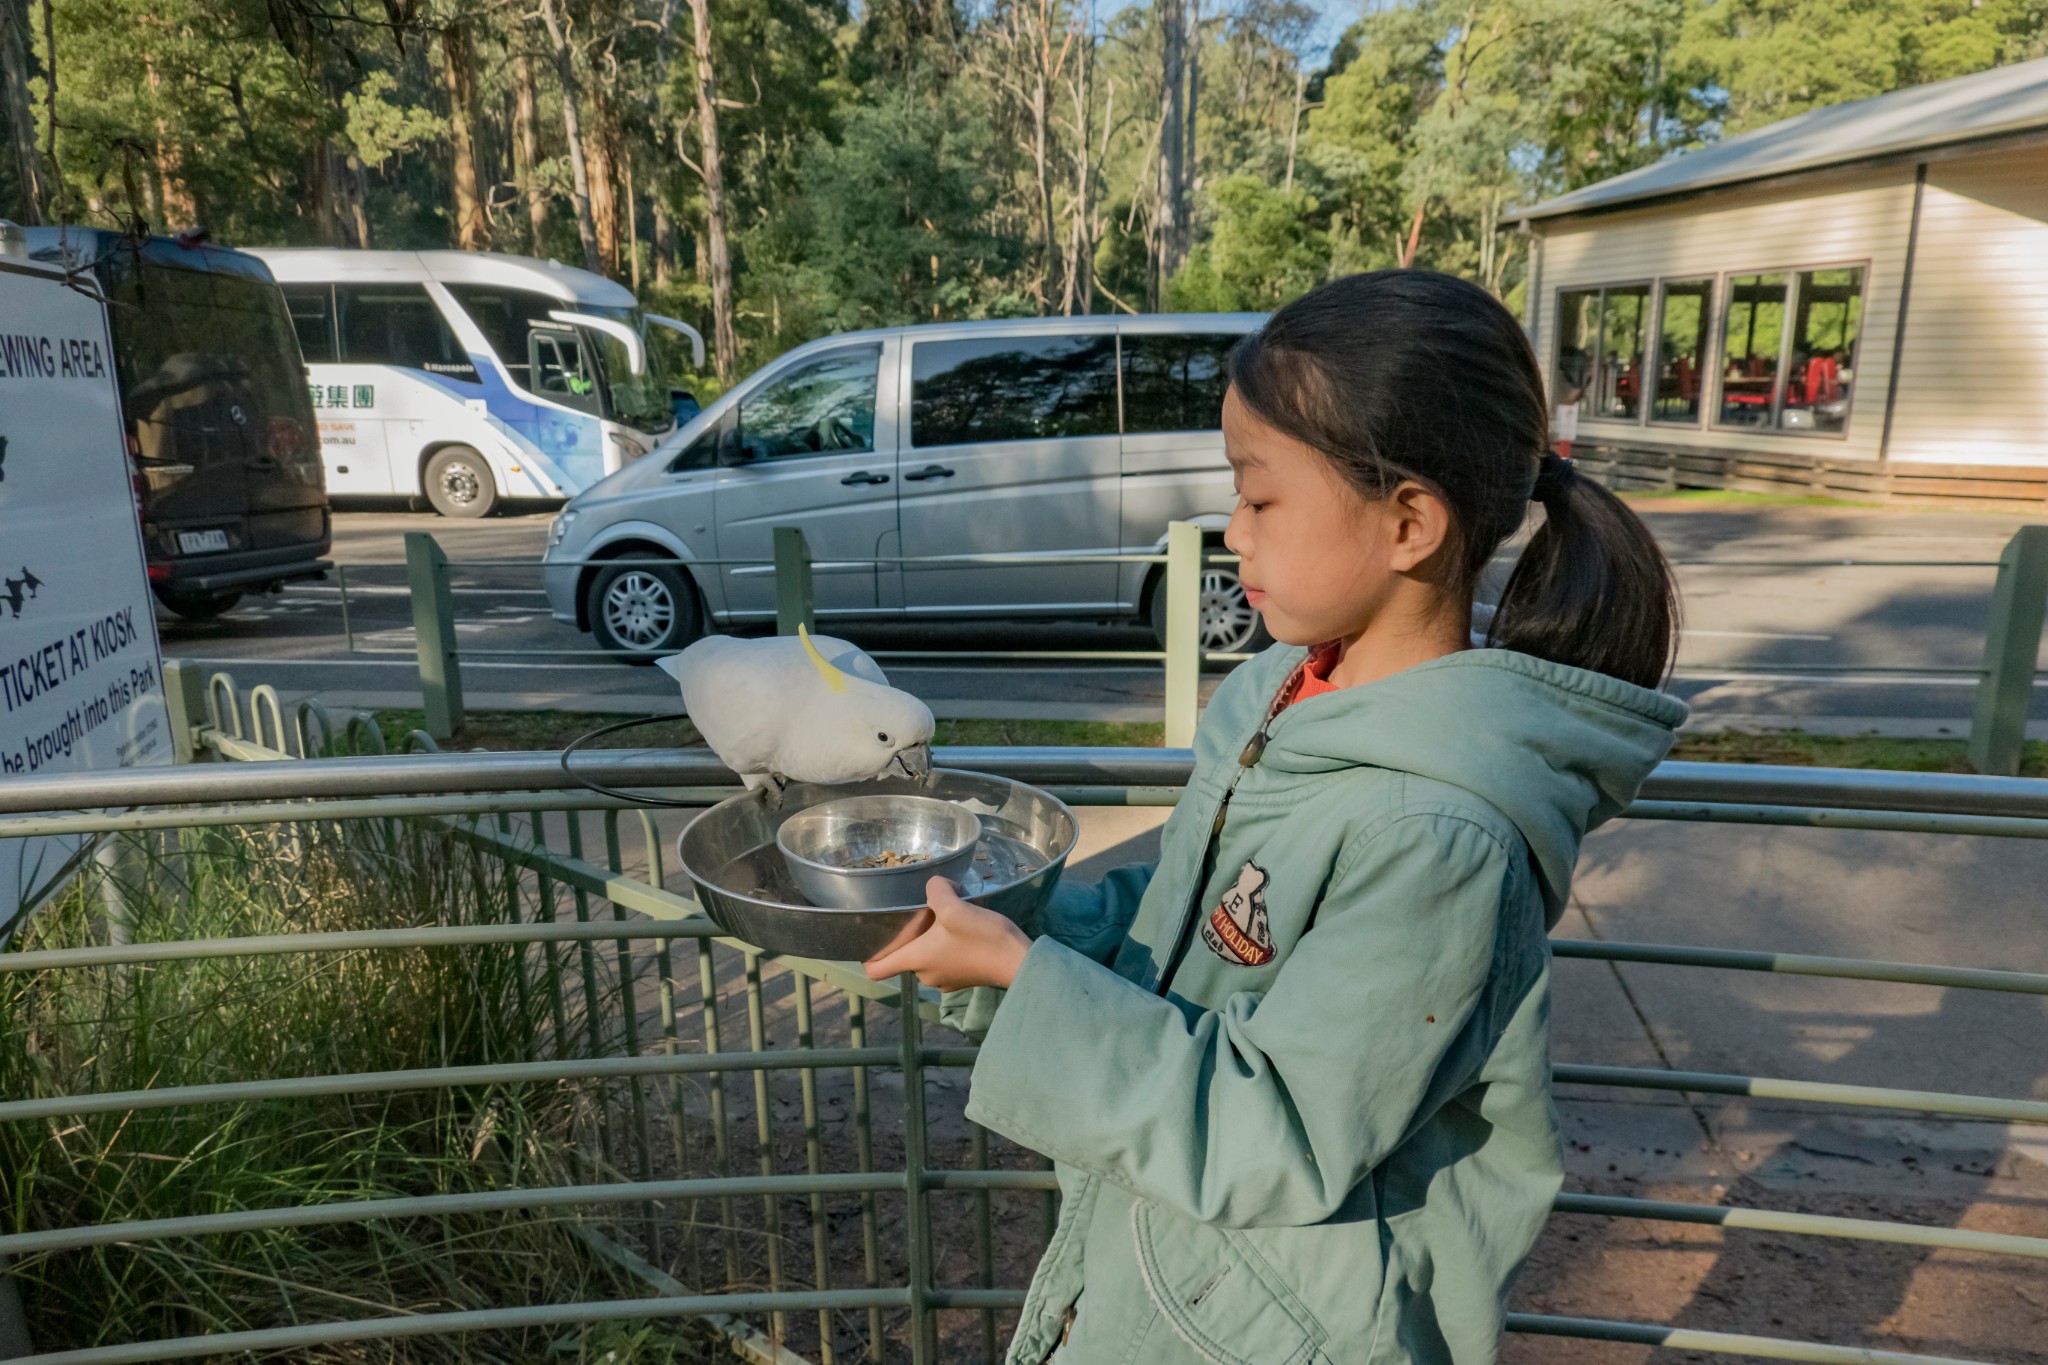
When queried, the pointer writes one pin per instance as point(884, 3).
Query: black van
point(228, 477)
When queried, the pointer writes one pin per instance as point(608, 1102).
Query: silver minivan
point(1077, 435)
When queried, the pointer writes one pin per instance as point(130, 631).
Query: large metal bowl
point(745, 886)
point(835, 851)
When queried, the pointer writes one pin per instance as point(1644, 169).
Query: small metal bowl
point(743, 882)
point(826, 846)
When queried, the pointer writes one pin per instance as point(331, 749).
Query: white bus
point(472, 376)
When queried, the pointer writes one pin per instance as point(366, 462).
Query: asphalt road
point(1775, 599)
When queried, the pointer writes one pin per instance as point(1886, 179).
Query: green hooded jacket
point(1296, 1079)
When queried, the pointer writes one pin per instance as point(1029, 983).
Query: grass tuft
point(73, 1032)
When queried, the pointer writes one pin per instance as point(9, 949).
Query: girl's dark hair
point(1406, 374)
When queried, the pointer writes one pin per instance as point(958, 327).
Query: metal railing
point(901, 1257)
point(439, 651)
point(2005, 676)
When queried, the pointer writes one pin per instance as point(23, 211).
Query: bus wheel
point(194, 605)
point(459, 483)
point(643, 611)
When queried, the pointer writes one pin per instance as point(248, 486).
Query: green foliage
point(1263, 249)
point(911, 160)
point(1776, 59)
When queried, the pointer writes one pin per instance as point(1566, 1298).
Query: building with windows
point(1851, 302)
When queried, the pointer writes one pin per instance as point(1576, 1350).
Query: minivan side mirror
point(732, 451)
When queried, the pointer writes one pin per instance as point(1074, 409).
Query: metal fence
point(860, 1216)
point(2005, 675)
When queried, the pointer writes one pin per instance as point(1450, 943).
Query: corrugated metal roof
point(2007, 99)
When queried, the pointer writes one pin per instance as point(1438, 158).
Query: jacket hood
point(1556, 750)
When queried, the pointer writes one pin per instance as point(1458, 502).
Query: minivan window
point(312, 308)
point(1175, 382)
point(1011, 388)
point(825, 405)
point(398, 324)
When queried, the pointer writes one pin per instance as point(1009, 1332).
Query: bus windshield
point(638, 400)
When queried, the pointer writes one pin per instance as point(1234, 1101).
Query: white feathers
point(807, 708)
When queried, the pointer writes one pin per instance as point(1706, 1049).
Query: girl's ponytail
point(1406, 374)
point(1592, 589)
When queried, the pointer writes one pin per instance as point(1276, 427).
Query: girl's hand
point(954, 945)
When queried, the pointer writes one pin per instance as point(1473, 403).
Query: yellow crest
point(834, 679)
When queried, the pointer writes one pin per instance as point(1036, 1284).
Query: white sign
point(81, 682)
point(1564, 422)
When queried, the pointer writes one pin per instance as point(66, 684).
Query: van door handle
point(864, 476)
point(930, 471)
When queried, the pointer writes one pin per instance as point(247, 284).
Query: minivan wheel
point(459, 483)
point(193, 604)
point(643, 611)
point(1229, 622)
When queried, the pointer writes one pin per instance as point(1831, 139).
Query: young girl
point(1295, 1078)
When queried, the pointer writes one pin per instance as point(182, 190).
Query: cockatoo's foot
point(772, 783)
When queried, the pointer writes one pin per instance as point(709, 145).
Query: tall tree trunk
point(355, 189)
point(458, 70)
point(174, 200)
point(1294, 128)
point(1189, 163)
point(664, 238)
point(572, 130)
point(726, 340)
point(632, 220)
point(1170, 212)
point(602, 151)
point(1041, 155)
point(1080, 282)
point(1406, 260)
point(15, 48)
point(526, 150)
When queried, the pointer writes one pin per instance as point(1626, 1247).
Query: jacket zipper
point(1246, 761)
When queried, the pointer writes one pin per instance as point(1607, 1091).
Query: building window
point(1827, 319)
point(1012, 389)
point(1600, 345)
point(1618, 369)
point(1578, 331)
point(1752, 349)
point(1683, 308)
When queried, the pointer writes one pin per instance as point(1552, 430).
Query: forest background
point(778, 170)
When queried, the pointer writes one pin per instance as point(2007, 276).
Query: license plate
point(201, 542)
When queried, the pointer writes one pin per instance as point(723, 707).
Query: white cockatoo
point(800, 708)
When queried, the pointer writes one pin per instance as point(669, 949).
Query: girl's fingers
point(897, 958)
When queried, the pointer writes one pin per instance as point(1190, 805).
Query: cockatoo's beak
point(916, 763)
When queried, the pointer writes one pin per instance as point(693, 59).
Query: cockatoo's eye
point(884, 738)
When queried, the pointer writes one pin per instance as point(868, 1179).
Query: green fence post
point(795, 601)
point(185, 701)
point(1183, 589)
point(2012, 646)
point(433, 630)
point(917, 1218)
point(14, 1340)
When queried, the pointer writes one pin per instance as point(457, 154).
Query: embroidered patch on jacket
point(1236, 929)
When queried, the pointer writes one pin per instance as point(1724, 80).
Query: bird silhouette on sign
point(13, 595)
point(3, 459)
point(29, 580)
